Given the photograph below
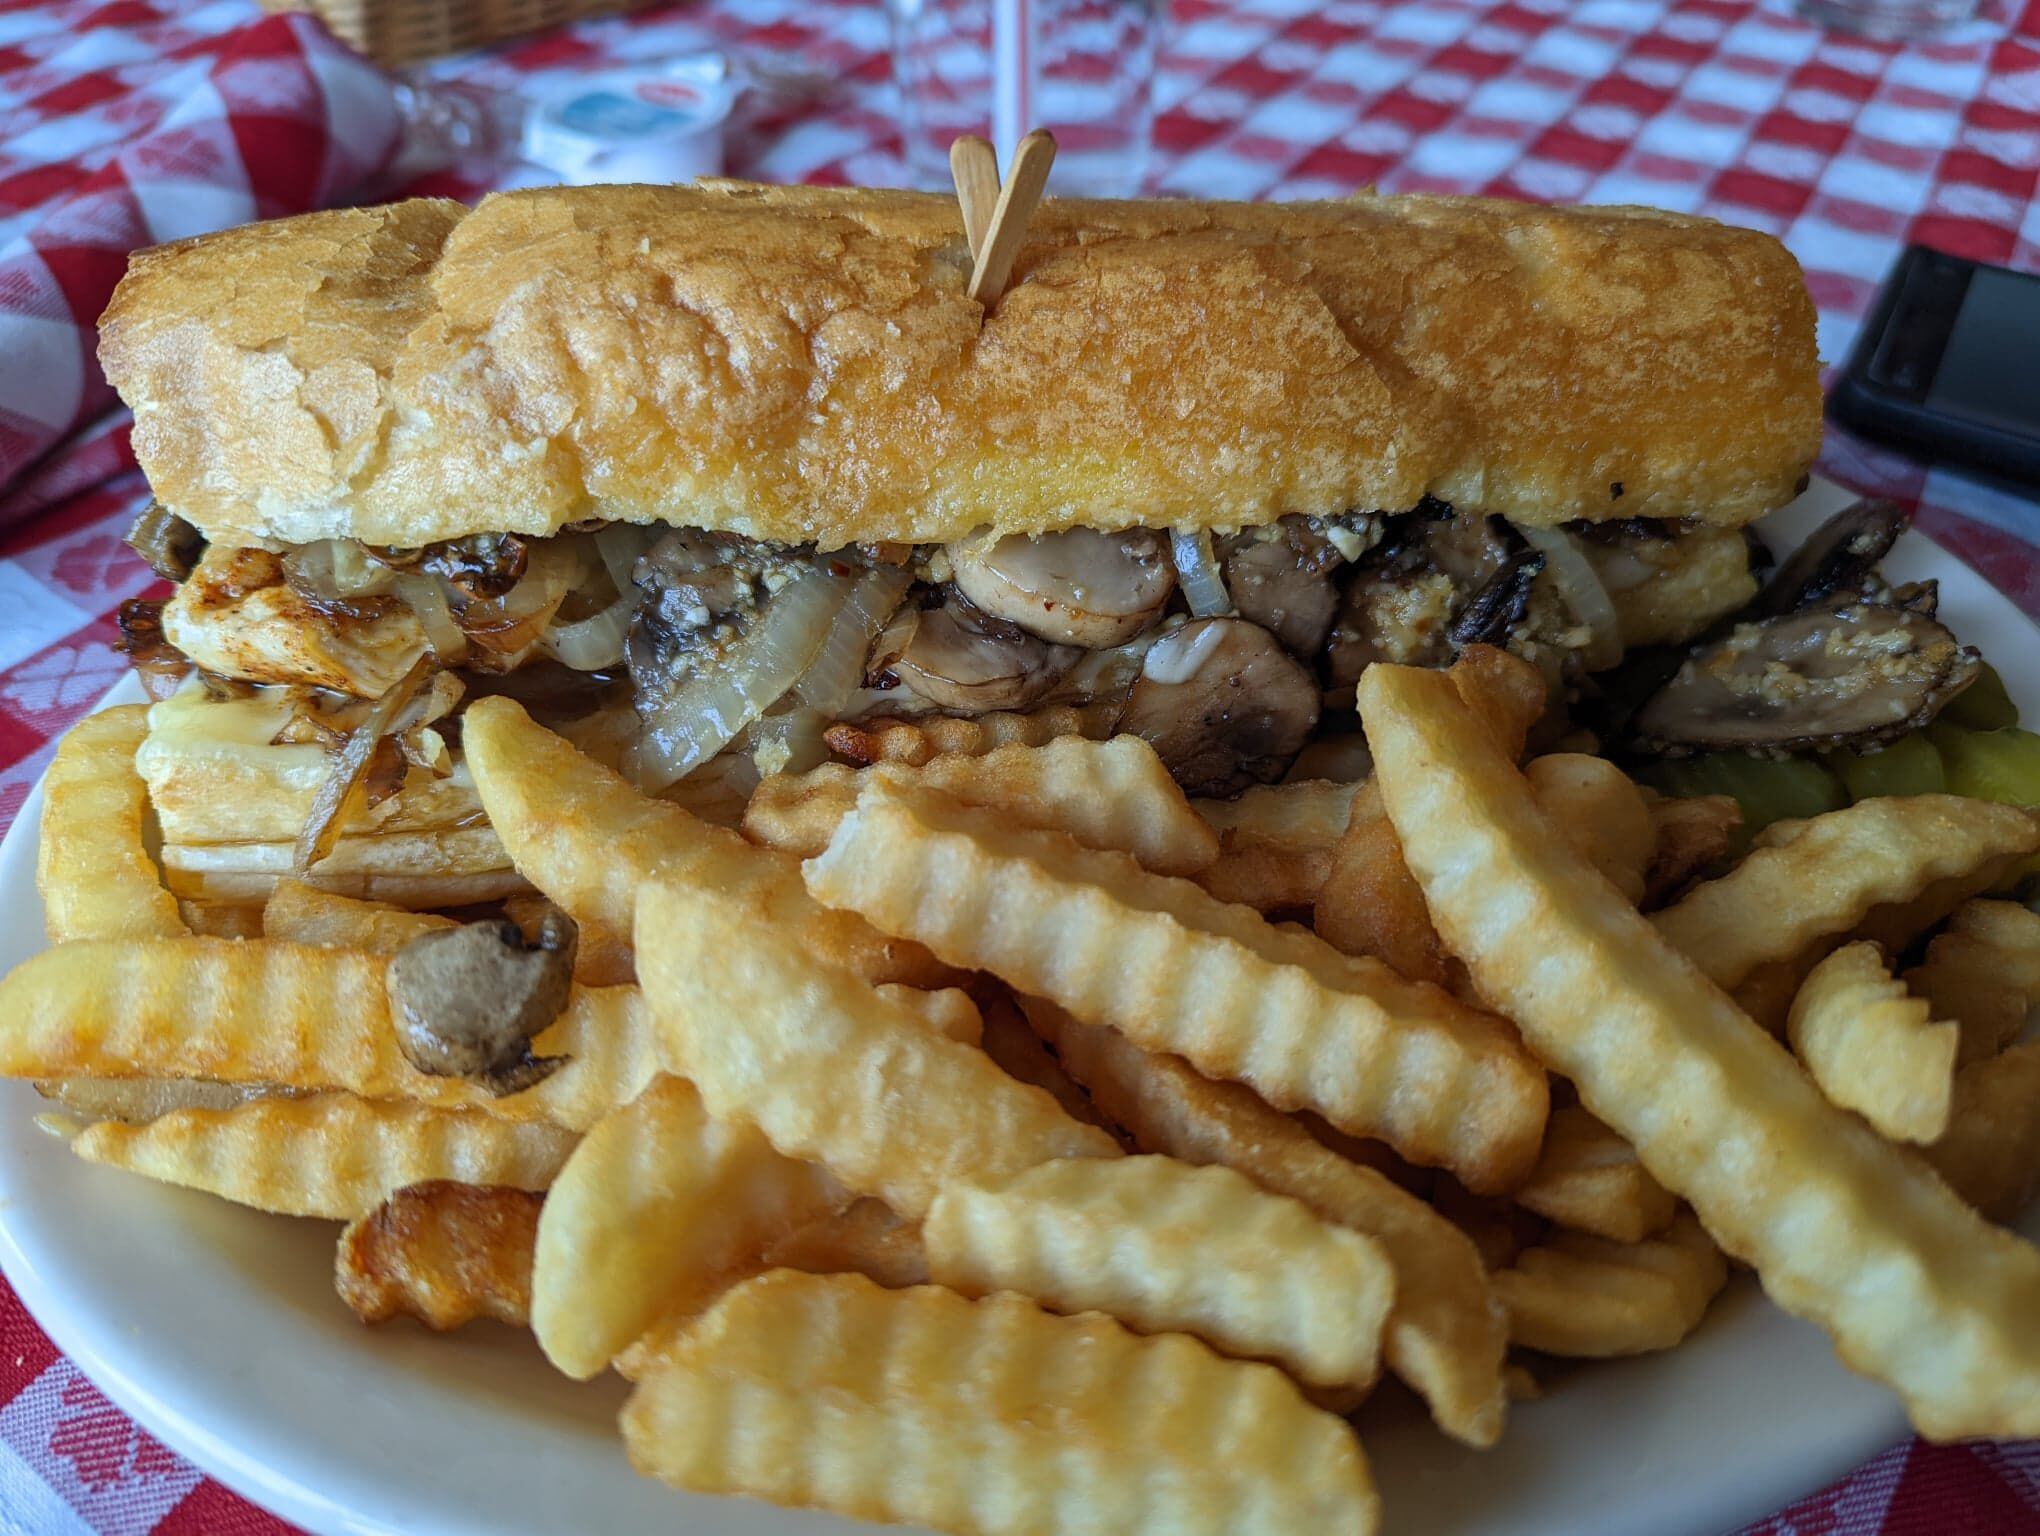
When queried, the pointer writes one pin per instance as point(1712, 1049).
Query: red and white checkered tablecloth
point(124, 122)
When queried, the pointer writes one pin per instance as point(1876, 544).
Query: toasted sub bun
point(804, 364)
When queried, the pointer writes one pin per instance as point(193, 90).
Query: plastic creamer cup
point(655, 123)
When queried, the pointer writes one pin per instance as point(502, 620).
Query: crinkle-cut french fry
point(1779, 833)
point(866, 1238)
point(1310, 813)
point(1523, 1387)
point(1872, 1048)
point(304, 914)
point(601, 958)
point(825, 1067)
point(1589, 1179)
point(1173, 1247)
point(919, 741)
point(1983, 971)
point(1504, 692)
point(221, 920)
point(1991, 1153)
point(659, 1208)
point(1446, 1334)
point(1371, 905)
point(662, 1207)
point(1105, 794)
point(450, 867)
point(1688, 838)
point(986, 1418)
point(442, 1252)
point(1843, 864)
point(1897, 925)
point(1275, 842)
point(948, 1011)
point(1603, 812)
point(91, 865)
point(1369, 1153)
point(1843, 1228)
point(137, 1100)
point(1266, 876)
point(612, 1053)
point(1496, 1226)
point(1766, 993)
point(1177, 970)
point(1589, 1297)
point(717, 791)
point(293, 1016)
point(329, 1154)
point(587, 839)
point(1011, 1042)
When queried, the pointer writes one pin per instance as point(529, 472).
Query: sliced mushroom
point(1853, 677)
point(962, 658)
point(1436, 582)
point(1915, 597)
point(1223, 704)
point(468, 1000)
point(1499, 604)
point(1281, 579)
point(1838, 560)
point(1432, 537)
point(1078, 587)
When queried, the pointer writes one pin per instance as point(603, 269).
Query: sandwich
point(715, 478)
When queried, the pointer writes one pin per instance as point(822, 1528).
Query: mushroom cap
point(1222, 704)
point(958, 658)
point(468, 1000)
point(1855, 676)
point(1082, 586)
point(1284, 589)
point(1838, 559)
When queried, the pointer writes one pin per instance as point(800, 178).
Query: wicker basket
point(396, 32)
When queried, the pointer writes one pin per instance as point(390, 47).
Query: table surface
point(126, 121)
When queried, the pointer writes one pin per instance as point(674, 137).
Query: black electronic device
point(1948, 365)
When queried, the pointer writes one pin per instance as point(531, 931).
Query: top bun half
point(803, 364)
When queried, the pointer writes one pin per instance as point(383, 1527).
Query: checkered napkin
point(1845, 150)
point(129, 123)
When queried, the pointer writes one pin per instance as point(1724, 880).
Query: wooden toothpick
point(974, 166)
point(1018, 198)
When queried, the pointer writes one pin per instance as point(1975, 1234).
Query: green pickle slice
point(1767, 790)
point(1910, 765)
point(1993, 765)
point(1999, 765)
point(1983, 705)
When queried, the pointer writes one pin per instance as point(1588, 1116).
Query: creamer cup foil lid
point(649, 123)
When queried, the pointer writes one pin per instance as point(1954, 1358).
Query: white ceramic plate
point(217, 1329)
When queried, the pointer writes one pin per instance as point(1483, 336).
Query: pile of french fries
point(987, 1136)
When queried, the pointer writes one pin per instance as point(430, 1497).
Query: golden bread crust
point(803, 364)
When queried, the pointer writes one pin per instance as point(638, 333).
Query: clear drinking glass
point(1888, 20)
point(1082, 69)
